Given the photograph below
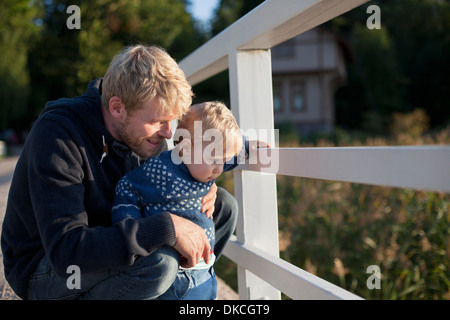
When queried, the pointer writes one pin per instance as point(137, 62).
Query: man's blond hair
point(140, 73)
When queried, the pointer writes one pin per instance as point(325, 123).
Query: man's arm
point(192, 242)
point(57, 192)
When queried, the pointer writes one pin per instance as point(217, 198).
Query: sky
point(203, 9)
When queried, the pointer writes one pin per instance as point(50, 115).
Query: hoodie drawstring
point(105, 149)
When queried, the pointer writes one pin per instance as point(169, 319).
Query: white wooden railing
point(244, 48)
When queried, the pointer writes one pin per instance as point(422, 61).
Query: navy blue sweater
point(161, 185)
point(61, 197)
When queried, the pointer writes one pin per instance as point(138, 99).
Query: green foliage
point(230, 11)
point(110, 25)
point(400, 67)
point(114, 24)
point(59, 62)
point(16, 31)
point(376, 62)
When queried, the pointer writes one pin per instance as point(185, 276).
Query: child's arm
point(247, 148)
point(126, 202)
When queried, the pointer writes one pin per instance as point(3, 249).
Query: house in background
point(306, 72)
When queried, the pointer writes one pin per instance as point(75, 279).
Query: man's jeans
point(148, 278)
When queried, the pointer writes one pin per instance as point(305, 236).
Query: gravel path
point(6, 171)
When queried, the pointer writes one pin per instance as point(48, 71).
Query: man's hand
point(209, 200)
point(192, 242)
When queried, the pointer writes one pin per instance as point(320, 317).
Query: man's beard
point(136, 144)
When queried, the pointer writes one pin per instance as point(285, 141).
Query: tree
point(401, 67)
point(228, 12)
point(374, 82)
point(115, 24)
point(64, 60)
point(420, 29)
point(16, 32)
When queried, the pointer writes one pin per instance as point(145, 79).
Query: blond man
point(58, 241)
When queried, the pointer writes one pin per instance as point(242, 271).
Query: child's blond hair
point(213, 115)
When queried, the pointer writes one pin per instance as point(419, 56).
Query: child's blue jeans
point(193, 284)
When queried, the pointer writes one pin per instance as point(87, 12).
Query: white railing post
point(251, 102)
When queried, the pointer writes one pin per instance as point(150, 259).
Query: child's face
point(211, 164)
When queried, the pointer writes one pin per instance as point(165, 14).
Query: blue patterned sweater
point(160, 185)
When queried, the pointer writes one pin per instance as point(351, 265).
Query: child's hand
point(209, 200)
point(256, 144)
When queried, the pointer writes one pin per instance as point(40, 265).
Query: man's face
point(144, 129)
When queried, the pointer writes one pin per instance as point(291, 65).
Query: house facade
point(306, 72)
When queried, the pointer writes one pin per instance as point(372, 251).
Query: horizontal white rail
point(291, 280)
point(416, 167)
point(268, 25)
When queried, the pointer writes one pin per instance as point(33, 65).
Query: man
point(58, 211)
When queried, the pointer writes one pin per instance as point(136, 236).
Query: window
point(277, 98)
point(297, 96)
point(284, 50)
